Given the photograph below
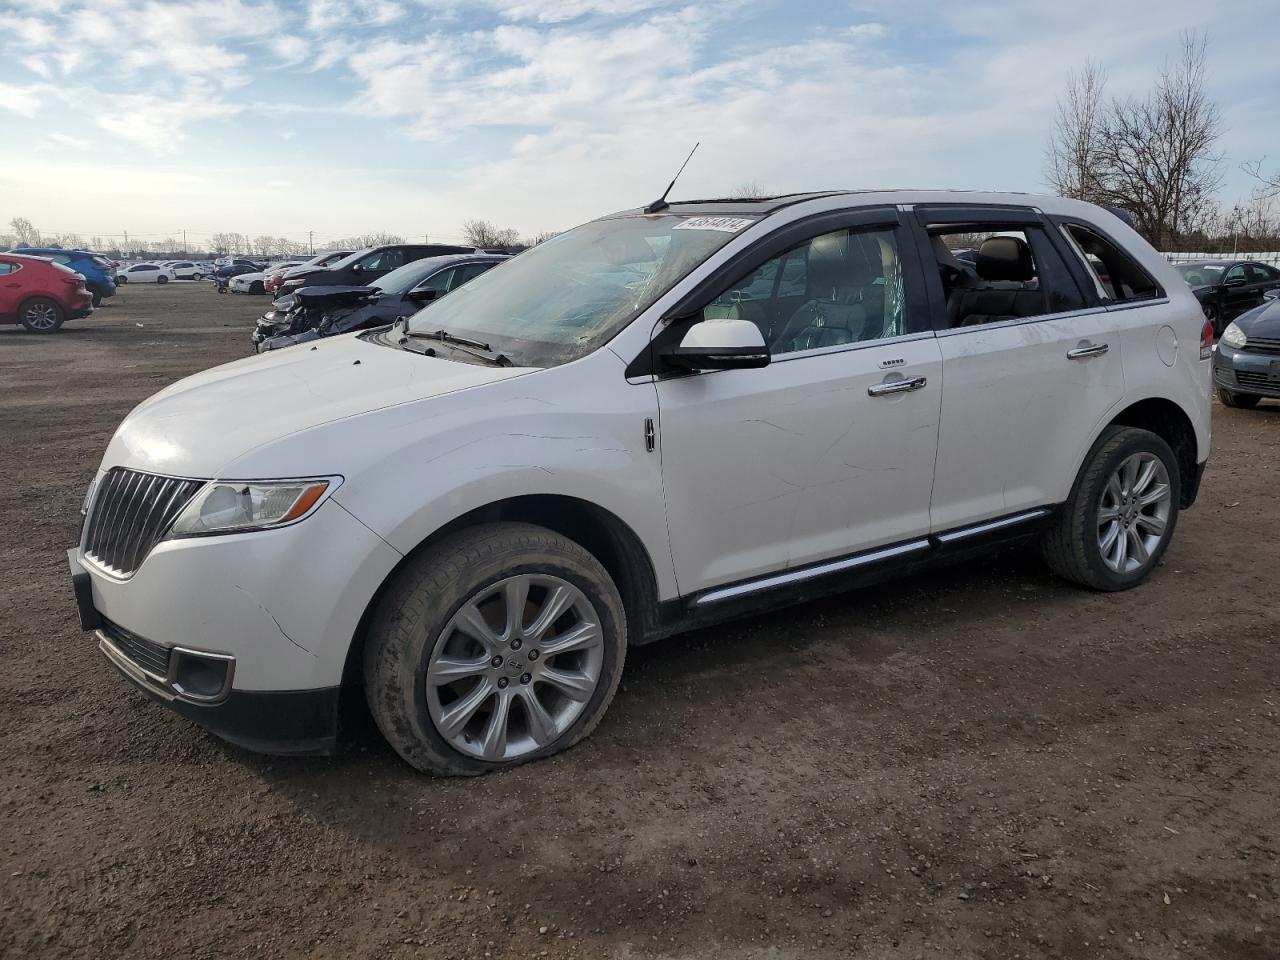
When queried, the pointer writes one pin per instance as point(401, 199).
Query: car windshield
point(566, 296)
point(1201, 274)
point(404, 278)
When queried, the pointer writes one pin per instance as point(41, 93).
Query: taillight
point(1206, 340)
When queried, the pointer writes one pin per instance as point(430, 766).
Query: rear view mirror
point(727, 344)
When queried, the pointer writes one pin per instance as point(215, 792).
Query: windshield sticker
point(723, 224)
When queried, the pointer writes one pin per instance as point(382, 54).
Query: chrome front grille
point(130, 513)
point(151, 657)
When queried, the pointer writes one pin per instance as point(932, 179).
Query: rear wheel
point(502, 644)
point(257, 287)
point(1246, 401)
point(41, 315)
point(122, 279)
point(1118, 521)
point(162, 279)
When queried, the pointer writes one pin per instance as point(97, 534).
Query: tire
point(417, 622)
point(121, 280)
point(162, 279)
point(1074, 546)
point(41, 315)
point(257, 288)
point(1245, 401)
point(97, 298)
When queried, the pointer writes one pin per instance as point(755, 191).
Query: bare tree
point(1157, 154)
point(1270, 181)
point(749, 190)
point(24, 232)
point(482, 233)
point(1072, 165)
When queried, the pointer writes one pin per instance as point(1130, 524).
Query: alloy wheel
point(514, 667)
point(41, 316)
point(1133, 512)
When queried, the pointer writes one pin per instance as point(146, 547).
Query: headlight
point(232, 506)
point(1233, 336)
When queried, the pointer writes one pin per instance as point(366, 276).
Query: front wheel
point(121, 280)
point(1246, 401)
point(162, 279)
point(501, 644)
point(41, 315)
point(1119, 518)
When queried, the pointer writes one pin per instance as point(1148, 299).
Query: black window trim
point(674, 321)
point(1091, 287)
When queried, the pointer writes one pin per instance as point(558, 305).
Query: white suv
point(661, 419)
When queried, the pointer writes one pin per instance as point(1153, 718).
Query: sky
point(411, 116)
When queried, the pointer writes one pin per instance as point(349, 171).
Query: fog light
point(201, 676)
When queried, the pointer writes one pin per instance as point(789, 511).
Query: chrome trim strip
point(1135, 304)
point(808, 573)
point(168, 687)
point(964, 532)
point(1021, 321)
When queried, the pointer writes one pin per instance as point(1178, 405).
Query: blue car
point(99, 273)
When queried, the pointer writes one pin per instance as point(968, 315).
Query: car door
point(829, 449)
point(1261, 279)
point(1031, 365)
point(1236, 291)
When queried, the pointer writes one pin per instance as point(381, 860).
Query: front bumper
point(247, 635)
point(1246, 371)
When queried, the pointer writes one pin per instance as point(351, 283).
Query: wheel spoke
point(1137, 547)
point(542, 728)
point(1107, 515)
point(1154, 495)
point(494, 741)
point(1146, 475)
point(1128, 474)
point(557, 601)
point(1109, 540)
point(582, 636)
point(448, 669)
point(1121, 556)
point(572, 683)
point(516, 596)
point(1113, 488)
point(472, 622)
point(1155, 524)
point(458, 714)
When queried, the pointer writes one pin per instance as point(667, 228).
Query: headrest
point(1005, 258)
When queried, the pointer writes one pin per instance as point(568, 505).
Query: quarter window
point(1008, 273)
point(1260, 274)
point(8, 268)
point(838, 288)
point(1118, 277)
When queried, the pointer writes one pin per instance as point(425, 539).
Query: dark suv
point(363, 267)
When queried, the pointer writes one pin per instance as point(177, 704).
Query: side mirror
point(1234, 282)
point(727, 344)
point(425, 295)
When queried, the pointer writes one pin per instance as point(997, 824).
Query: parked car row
point(1227, 288)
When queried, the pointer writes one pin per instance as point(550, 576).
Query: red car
point(41, 294)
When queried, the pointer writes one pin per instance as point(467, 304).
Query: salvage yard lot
point(980, 762)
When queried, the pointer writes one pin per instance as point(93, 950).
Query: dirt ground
point(982, 762)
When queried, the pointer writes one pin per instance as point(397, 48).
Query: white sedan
point(186, 270)
point(145, 273)
point(248, 283)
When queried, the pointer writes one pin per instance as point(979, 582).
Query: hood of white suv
point(195, 427)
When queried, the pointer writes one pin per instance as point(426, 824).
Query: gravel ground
point(981, 762)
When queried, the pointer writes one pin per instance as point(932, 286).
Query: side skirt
point(842, 574)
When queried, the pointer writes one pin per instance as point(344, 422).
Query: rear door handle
point(889, 387)
point(1085, 351)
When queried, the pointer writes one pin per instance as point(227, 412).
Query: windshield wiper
point(460, 344)
point(446, 337)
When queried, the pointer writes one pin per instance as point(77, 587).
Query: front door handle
point(889, 387)
point(1087, 350)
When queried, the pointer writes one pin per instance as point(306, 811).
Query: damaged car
point(314, 312)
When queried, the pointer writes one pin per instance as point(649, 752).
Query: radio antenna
point(661, 203)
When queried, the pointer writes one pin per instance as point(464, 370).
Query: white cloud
point(559, 11)
point(66, 140)
point(22, 100)
point(158, 123)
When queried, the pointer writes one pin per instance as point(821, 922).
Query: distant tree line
point(1156, 158)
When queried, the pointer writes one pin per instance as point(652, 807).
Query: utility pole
point(184, 243)
point(311, 242)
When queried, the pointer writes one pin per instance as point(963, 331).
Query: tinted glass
point(1235, 273)
point(6, 268)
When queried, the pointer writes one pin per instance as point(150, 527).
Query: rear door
point(1031, 364)
point(829, 449)
point(10, 288)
